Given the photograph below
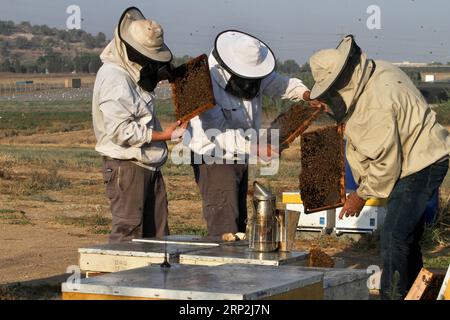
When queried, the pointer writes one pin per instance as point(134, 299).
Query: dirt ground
point(52, 202)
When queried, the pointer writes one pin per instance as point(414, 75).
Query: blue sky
point(413, 30)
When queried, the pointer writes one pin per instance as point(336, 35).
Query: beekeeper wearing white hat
point(395, 147)
point(243, 71)
point(129, 135)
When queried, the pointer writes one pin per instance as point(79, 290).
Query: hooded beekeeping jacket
point(123, 114)
point(223, 127)
point(391, 131)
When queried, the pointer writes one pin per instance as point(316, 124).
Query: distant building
point(428, 73)
point(407, 64)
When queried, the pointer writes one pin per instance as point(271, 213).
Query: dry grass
point(14, 217)
point(96, 224)
point(58, 173)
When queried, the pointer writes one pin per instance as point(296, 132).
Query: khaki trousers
point(138, 201)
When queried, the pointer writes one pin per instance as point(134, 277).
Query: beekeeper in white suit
point(243, 71)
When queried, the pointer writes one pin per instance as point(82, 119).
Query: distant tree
point(16, 66)
point(435, 64)
point(46, 30)
point(100, 40)
point(25, 26)
point(307, 79)
point(41, 64)
point(67, 64)
point(36, 42)
point(415, 76)
point(88, 40)
point(5, 66)
point(53, 62)
point(94, 64)
point(49, 43)
point(63, 35)
point(7, 27)
point(288, 67)
point(291, 66)
point(4, 48)
point(305, 68)
point(87, 63)
point(75, 35)
point(30, 67)
point(22, 43)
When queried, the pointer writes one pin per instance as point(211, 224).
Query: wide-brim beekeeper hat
point(145, 36)
point(245, 55)
point(327, 65)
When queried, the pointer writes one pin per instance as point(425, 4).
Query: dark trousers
point(223, 188)
point(404, 227)
point(138, 201)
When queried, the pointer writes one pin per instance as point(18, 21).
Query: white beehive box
point(322, 221)
point(371, 219)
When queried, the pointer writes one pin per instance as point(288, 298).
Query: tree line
point(44, 36)
point(54, 62)
point(58, 56)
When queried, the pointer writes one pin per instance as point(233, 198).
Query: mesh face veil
point(238, 86)
point(152, 72)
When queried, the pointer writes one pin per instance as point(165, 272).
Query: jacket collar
point(219, 74)
point(355, 88)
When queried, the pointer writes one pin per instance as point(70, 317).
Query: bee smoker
point(263, 225)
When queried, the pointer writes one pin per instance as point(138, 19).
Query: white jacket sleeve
point(377, 154)
point(117, 105)
point(277, 85)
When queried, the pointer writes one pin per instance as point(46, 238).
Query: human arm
point(280, 86)
point(376, 155)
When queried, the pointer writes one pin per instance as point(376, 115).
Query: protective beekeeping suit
point(129, 135)
point(395, 148)
point(242, 71)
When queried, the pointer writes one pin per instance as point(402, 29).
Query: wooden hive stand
point(427, 285)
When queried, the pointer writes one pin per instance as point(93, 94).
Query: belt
point(132, 161)
point(112, 159)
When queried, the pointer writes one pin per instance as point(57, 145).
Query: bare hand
point(173, 132)
point(179, 131)
point(267, 152)
point(314, 103)
point(353, 206)
point(317, 104)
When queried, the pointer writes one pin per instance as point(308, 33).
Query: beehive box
point(343, 284)
point(242, 255)
point(192, 89)
point(322, 221)
point(130, 255)
point(322, 177)
point(181, 282)
point(293, 122)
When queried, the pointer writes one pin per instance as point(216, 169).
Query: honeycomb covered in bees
point(192, 89)
point(322, 177)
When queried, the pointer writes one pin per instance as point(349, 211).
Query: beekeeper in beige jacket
point(129, 135)
point(395, 147)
